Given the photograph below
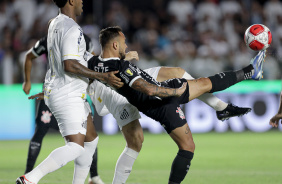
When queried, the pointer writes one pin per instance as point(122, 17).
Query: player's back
point(65, 41)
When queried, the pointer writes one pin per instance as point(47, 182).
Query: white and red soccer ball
point(258, 37)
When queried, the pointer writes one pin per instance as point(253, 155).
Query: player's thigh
point(166, 73)
point(182, 136)
point(71, 115)
point(197, 87)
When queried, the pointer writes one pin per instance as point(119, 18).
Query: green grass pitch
point(220, 158)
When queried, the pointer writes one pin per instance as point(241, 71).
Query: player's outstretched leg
point(224, 110)
point(232, 111)
point(224, 80)
point(257, 63)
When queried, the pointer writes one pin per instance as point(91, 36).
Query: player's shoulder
point(65, 24)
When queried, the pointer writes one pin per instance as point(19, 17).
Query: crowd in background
point(202, 36)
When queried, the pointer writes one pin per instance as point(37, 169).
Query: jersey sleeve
point(89, 44)
point(40, 47)
point(72, 43)
point(129, 73)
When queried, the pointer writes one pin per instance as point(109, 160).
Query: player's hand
point(38, 96)
point(181, 90)
point(112, 80)
point(274, 121)
point(26, 87)
point(131, 55)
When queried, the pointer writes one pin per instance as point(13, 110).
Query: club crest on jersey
point(46, 116)
point(128, 72)
point(180, 112)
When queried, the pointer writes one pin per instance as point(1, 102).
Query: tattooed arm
point(73, 66)
point(154, 90)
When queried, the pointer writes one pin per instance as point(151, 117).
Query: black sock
point(93, 168)
point(224, 80)
point(33, 152)
point(180, 166)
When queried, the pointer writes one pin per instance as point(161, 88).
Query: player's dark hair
point(108, 34)
point(60, 3)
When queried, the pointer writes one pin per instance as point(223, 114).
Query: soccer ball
point(258, 37)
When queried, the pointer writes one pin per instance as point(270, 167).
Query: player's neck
point(69, 12)
point(108, 54)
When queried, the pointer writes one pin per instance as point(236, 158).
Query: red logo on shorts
point(46, 116)
point(180, 112)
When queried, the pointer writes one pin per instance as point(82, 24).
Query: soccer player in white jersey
point(64, 93)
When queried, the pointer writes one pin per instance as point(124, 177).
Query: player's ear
point(71, 2)
point(115, 45)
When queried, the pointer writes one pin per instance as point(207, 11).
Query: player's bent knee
point(190, 146)
point(177, 72)
point(136, 141)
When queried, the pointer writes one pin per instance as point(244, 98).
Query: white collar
point(107, 59)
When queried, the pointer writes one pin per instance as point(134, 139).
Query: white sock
point(57, 158)
point(209, 98)
point(124, 165)
point(83, 162)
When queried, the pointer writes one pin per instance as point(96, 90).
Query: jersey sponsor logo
point(125, 78)
point(124, 114)
point(128, 72)
point(46, 116)
point(99, 99)
point(180, 112)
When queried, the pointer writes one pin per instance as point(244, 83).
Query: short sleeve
point(129, 73)
point(71, 43)
point(40, 47)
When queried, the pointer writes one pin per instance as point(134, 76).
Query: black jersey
point(40, 47)
point(128, 72)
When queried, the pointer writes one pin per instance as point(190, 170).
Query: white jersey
point(65, 41)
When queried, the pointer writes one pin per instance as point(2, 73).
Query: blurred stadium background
point(202, 36)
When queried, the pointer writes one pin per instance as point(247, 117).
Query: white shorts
point(70, 112)
point(108, 101)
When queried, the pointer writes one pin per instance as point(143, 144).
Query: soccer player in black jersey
point(44, 118)
point(161, 101)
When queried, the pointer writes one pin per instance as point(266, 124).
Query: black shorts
point(169, 113)
point(44, 117)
